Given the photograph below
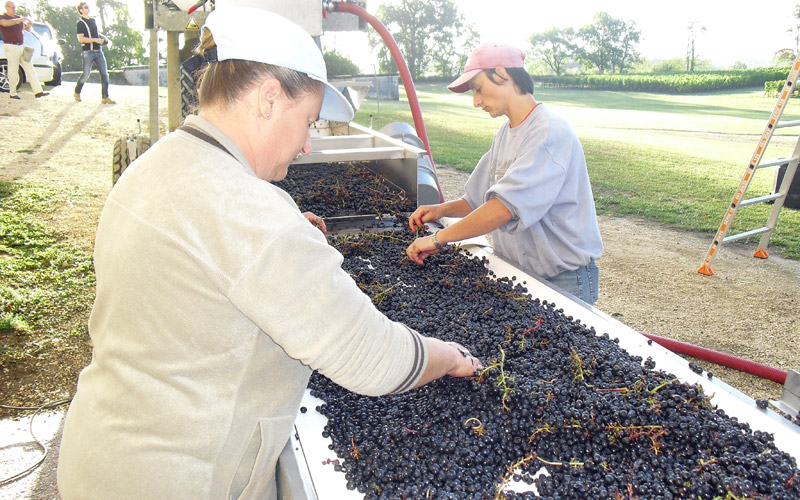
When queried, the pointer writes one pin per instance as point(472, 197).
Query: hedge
point(674, 83)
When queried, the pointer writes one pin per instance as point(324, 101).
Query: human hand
point(421, 248)
point(467, 365)
point(423, 214)
point(317, 221)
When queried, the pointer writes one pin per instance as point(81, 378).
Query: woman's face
point(291, 137)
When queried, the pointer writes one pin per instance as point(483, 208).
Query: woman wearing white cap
point(531, 190)
point(216, 297)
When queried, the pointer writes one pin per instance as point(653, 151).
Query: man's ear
point(268, 92)
point(502, 73)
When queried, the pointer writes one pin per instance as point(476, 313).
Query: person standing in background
point(11, 26)
point(93, 43)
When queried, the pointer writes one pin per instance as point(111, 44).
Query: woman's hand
point(448, 358)
point(317, 221)
point(466, 364)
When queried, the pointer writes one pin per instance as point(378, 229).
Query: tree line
point(436, 41)
point(433, 36)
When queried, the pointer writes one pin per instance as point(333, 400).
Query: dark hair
point(523, 81)
point(226, 81)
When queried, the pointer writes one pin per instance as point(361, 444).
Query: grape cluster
point(340, 189)
point(554, 394)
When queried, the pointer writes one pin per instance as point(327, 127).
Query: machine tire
point(123, 156)
point(188, 85)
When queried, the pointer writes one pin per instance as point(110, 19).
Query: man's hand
point(421, 248)
point(423, 214)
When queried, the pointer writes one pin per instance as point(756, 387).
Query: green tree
point(674, 65)
point(452, 45)
point(431, 35)
point(694, 30)
point(554, 47)
point(127, 45)
point(784, 57)
point(609, 44)
point(338, 64)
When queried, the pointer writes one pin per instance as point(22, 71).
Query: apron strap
point(204, 137)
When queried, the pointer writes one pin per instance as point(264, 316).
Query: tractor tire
point(127, 149)
point(188, 85)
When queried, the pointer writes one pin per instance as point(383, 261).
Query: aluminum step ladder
point(778, 197)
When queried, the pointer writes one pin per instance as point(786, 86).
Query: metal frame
point(328, 484)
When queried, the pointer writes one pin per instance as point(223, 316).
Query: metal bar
point(153, 86)
point(173, 81)
point(774, 163)
point(790, 123)
point(746, 234)
point(348, 155)
point(790, 399)
point(760, 199)
point(343, 141)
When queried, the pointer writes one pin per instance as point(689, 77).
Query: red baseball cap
point(489, 55)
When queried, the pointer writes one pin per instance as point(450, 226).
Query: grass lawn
point(675, 159)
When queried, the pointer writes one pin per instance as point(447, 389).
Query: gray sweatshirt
point(538, 171)
point(215, 300)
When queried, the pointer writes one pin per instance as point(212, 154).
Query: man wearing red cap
point(531, 190)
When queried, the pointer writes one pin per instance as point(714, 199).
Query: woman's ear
point(268, 92)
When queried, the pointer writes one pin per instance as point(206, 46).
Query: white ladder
point(755, 164)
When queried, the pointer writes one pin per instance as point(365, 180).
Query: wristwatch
point(439, 246)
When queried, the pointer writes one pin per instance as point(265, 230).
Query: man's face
point(85, 10)
point(11, 9)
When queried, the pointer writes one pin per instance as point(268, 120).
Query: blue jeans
point(97, 57)
point(582, 282)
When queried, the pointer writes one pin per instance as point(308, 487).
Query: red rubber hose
point(720, 358)
point(402, 67)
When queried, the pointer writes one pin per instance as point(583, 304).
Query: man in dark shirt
point(11, 26)
point(92, 52)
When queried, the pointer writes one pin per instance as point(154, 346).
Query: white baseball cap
point(259, 35)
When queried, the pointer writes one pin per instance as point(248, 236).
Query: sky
point(735, 30)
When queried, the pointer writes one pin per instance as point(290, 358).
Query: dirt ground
point(649, 281)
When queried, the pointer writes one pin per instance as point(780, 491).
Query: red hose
point(720, 358)
point(402, 67)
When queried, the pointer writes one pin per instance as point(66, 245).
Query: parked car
point(49, 36)
point(45, 60)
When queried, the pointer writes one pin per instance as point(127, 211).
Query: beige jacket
point(215, 300)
